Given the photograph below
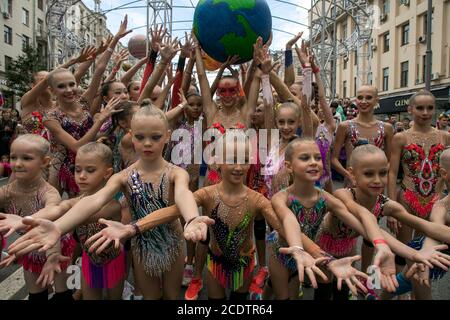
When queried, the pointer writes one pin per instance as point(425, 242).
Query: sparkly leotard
point(420, 161)
point(276, 175)
point(309, 219)
point(324, 140)
point(231, 249)
point(336, 238)
point(14, 201)
point(77, 128)
point(354, 135)
point(158, 248)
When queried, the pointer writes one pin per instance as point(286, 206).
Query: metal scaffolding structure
point(324, 16)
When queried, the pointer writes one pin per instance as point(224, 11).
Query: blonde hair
point(51, 75)
point(99, 149)
point(285, 105)
point(149, 110)
point(420, 94)
point(361, 150)
point(289, 152)
point(42, 145)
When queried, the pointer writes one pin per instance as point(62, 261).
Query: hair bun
point(146, 103)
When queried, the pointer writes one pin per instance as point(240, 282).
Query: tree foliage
point(19, 73)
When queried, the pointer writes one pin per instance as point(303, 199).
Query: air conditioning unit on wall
point(435, 76)
point(404, 2)
point(422, 39)
point(383, 17)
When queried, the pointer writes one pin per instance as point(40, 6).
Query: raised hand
point(110, 109)
point(385, 260)
point(10, 223)
point(103, 45)
point(114, 231)
point(51, 266)
point(123, 29)
point(420, 273)
point(343, 270)
point(304, 53)
point(197, 229)
point(43, 235)
point(120, 57)
point(168, 49)
point(187, 47)
point(305, 262)
point(88, 53)
point(183, 99)
point(432, 256)
point(157, 37)
point(291, 42)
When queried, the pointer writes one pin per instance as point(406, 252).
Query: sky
point(137, 17)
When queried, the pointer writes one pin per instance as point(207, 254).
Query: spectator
point(406, 123)
point(443, 122)
point(399, 127)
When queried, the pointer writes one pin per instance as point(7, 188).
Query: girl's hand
point(51, 266)
point(86, 54)
point(197, 229)
point(114, 231)
point(231, 60)
point(343, 270)
point(420, 273)
point(7, 261)
point(183, 100)
point(43, 235)
point(303, 53)
point(393, 225)
point(187, 47)
point(432, 256)
point(168, 49)
point(291, 42)
point(103, 46)
point(157, 37)
point(385, 260)
point(10, 223)
point(120, 57)
point(123, 29)
point(305, 262)
point(110, 109)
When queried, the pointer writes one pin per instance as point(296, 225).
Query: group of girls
point(108, 148)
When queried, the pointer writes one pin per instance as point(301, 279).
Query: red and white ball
point(137, 46)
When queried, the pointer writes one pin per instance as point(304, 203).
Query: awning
point(397, 103)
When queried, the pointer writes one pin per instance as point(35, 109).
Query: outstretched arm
point(128, 76)
point(289, 72)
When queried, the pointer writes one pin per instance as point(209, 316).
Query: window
point(9, 7)
point(404, 66)
point(8, 62)
point(8, 35)
point(41, 5)
point(344, 85)
point(425, 21)
point(345, 62)
point(405, 34)
point(355, 80)
point(355, 56)
point(370, 78)
point(40, 28)
point(385, 6)
point(386, 39)
point(25, 42)
point(344, 31)
point(25, 17)
point(385, 79)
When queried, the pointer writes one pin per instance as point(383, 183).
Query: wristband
point(288, 58)
point(136, 228)
point(379, 241)
point(316, 70)
point(189, 221)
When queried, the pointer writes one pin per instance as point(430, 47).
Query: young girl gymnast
point(93, 167)
point(26, 195)
point(149, 184)
point(369, 168)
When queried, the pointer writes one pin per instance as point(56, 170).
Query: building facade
point(23, 23)
point(397, 53)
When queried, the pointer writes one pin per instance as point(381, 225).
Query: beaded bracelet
point(136, 228)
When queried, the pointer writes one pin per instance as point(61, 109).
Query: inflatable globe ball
point(137, 46)
point(209, 63)
point(226, 28)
